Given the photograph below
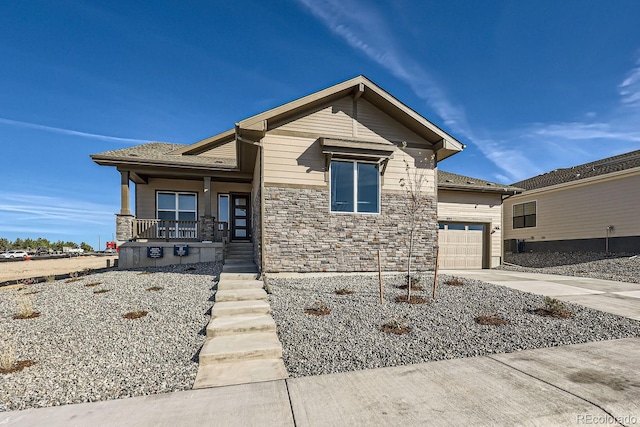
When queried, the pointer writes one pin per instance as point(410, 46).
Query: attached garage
point(462, 246)
point(470, 221)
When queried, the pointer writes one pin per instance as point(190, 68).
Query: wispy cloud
point(517, 153)
point(44, 212)
point(364, 29)
point(71, 132)
point(629, 89)
point(586, 131)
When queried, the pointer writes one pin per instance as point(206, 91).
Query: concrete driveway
point(612, 297)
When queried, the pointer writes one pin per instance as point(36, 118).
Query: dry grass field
point(34, 268)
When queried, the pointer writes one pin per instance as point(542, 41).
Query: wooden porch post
point(124, 193)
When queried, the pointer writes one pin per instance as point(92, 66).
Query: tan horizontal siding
point(580, 211)
point(225, 151)
point(335, 119)
point(374, 124)
point(397, 170)
point(146, 194)
point(293, 160)
point(463, 206)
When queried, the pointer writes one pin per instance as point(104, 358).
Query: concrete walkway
point(242, 345)
point(593, 383)
point(612, 297)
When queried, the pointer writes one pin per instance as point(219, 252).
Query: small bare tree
point(416, 203)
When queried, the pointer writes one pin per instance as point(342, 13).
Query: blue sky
point(528, 86)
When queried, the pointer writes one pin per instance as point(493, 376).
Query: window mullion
point(355, 187)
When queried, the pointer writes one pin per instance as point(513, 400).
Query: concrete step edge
point(243, 372)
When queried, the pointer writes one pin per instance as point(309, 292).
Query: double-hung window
point(179, 211)
point(355, 187)
point(524, 215)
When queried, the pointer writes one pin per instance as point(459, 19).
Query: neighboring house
point(594, 207)
point(314, 185)
point(470, 221)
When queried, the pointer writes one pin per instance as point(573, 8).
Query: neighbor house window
point(355, 187)
point(524, 215)
point(177, 206)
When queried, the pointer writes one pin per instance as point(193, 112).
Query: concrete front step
point(230, 325)
point(237, 276)
point(259, 345)
point(250, 265)
point(224, 295)
point(241, 372)
point(228, 284)
point(240, 308)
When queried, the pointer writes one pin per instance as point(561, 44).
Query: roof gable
point(606, 166)
point(254, 128)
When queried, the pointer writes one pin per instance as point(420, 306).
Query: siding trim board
point(627, 244)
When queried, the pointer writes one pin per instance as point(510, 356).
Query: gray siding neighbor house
point(594, 207)
point(313, 185)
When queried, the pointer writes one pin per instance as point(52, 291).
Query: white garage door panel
point(460, 249)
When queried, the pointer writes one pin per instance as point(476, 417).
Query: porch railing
point(161, 229)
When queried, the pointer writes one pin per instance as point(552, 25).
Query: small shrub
point(395, 327)
point(414, 299)
point(25, 308)
point(343, 291)
point(553, 308)
point(135, 314)
point(454, 282)
point(491, 319)
point(318, 309)
point(7, 357)
point(155, 288)
point(50, 278)
point(91, 285)
point(73, 274)
point(102, 291)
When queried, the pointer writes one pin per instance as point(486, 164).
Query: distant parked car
point(14, 254)
point(110, 251)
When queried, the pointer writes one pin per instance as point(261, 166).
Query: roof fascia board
point(105, 161)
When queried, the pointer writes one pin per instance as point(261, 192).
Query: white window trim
point(176, 210)
point(355, 187)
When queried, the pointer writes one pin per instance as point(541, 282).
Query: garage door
point(461, 245)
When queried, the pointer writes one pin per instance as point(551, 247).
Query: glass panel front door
point(241, 220)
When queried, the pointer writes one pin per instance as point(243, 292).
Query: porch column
point(124, 220)
point(207, 225)
point(207, 196)
point(124, 193)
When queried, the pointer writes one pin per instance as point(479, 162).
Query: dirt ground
point(45, 267)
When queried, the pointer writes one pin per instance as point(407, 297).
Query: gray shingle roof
point(453, 181)
point(599, 167)
point(162, 152)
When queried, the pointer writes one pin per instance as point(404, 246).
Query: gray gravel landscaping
point(596, 265)
point(349, 337)
point(86, 351)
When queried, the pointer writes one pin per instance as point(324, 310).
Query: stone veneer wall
point(124, 227)
point(301, 235)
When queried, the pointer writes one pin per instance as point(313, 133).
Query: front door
point(240, 217)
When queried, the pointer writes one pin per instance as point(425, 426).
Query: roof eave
point(110, 161)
